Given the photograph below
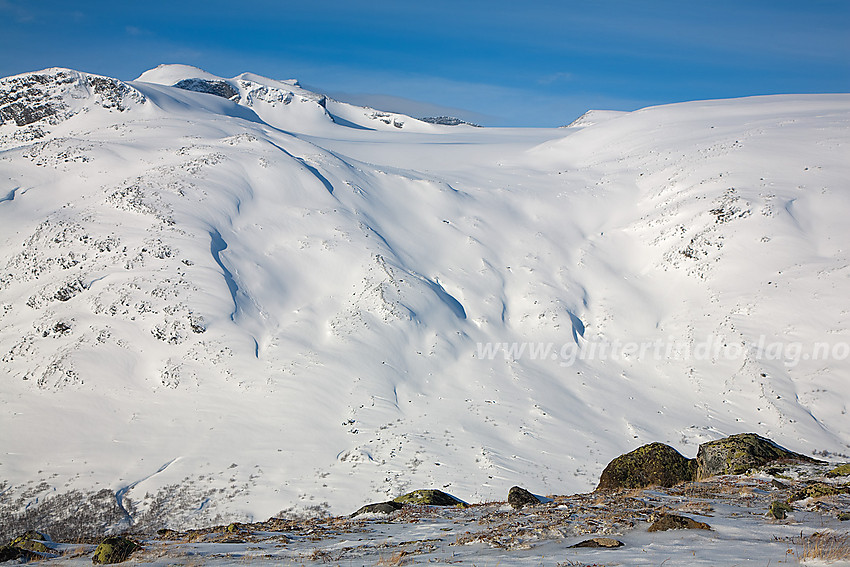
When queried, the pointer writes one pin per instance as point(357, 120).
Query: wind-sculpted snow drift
point(230, 297)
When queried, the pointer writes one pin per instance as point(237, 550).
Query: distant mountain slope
point(283, 104)
point(216, 303)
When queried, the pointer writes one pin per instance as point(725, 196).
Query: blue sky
point(532, 63)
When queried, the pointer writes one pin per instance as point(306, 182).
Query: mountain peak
point(171, 73)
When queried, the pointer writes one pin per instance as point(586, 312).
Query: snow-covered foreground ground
point(221, 306)
point(731, 512)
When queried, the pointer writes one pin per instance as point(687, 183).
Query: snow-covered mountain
point(229, 297)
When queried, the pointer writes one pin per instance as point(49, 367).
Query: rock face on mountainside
point(446, 121)
point(27, 99)
point(655, 464)
point(740, 453)
point(217, 88)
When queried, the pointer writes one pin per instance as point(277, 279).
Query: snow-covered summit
point(168, 74)
point(282, 103)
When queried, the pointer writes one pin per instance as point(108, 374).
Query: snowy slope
point(229, 306)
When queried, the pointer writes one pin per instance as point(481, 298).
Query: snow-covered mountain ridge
point(230, 305)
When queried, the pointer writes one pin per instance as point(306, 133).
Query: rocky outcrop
point(429, 497)
point(655, 464)
point(738, 454)
point(519, 497)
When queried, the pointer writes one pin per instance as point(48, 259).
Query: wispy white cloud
point(136, 31)
point(19, 14)
point(560, 77)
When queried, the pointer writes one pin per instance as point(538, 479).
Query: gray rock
point(519, 497)
point(740, 453)
point(430, 497)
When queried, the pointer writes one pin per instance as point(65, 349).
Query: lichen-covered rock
point(519, 497)
point(778, 510)
point(743, 452)
point(379, 508)
point(841, 470)
point(31, 541)
point(114, 549)
point(819, 490)
point(655, 464)
point(666, 522)
point(429, 497)
point(608, 542)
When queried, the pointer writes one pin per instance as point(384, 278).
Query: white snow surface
point(271, 309)
point(592, 117)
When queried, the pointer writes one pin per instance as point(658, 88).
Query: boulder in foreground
point(655, 464)
point(743, 452)
point(31, 541)
point(429, 497)
point(114, 549)
point(666, 522)
point(519, 497)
